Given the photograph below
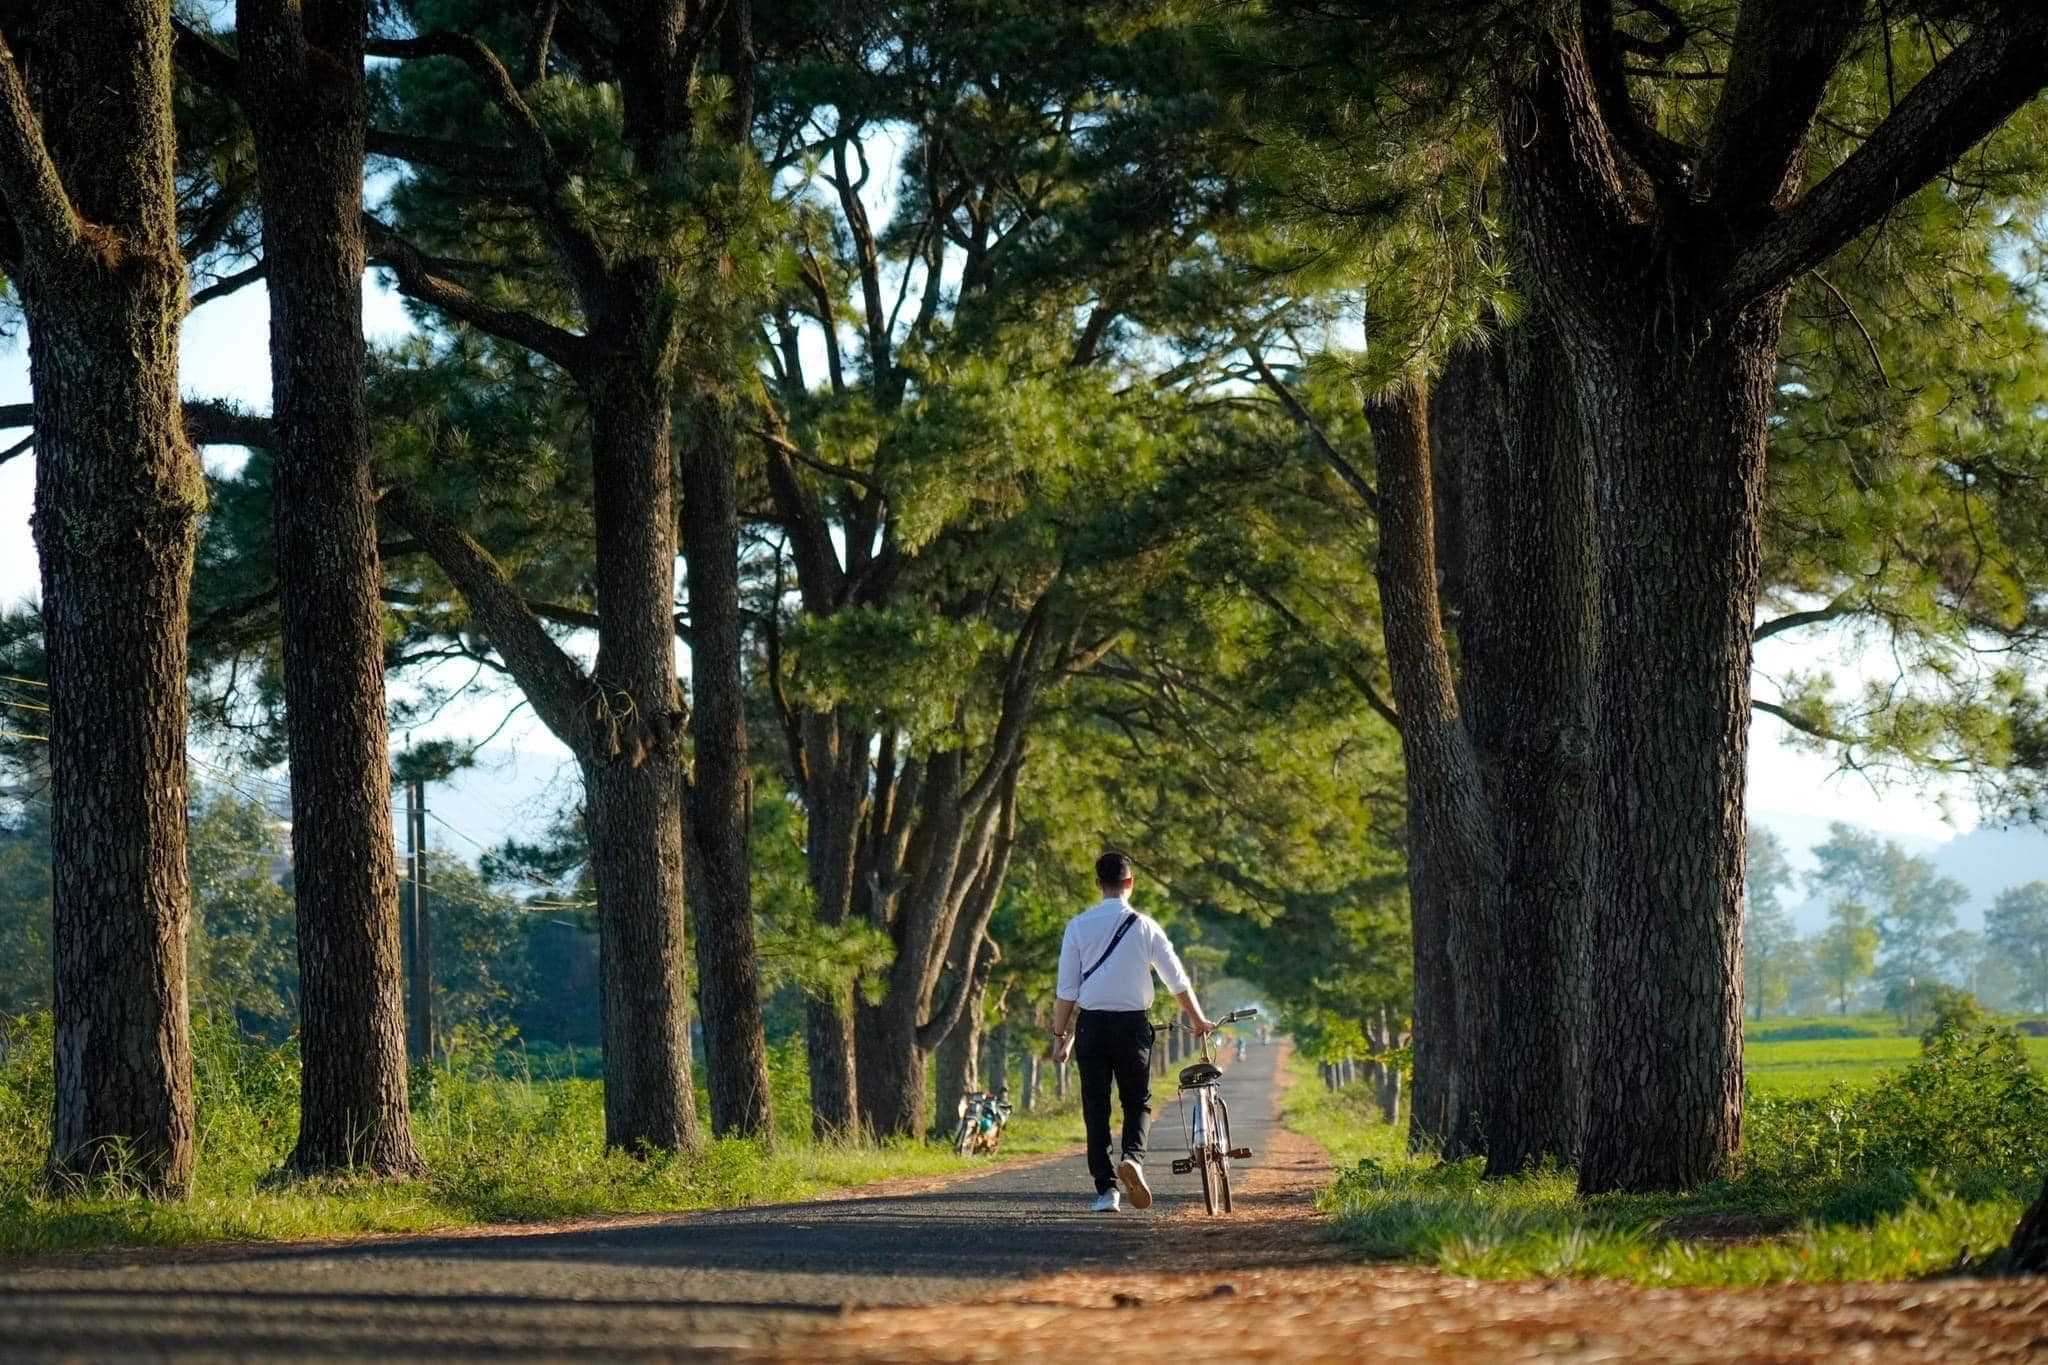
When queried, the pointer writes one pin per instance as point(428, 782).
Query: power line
point(16, 734)
point(9, 677)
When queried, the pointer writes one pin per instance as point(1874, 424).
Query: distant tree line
point(1890, 937)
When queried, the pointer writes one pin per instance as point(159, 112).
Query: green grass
point(498, 1150)
point(1785, 1057)
point(1773, 1225)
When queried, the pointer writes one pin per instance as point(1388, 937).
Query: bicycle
point(1209, 1148)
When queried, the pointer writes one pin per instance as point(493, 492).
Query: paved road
point(702, 1284)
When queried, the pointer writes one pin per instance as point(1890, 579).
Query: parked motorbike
point(982, 1116)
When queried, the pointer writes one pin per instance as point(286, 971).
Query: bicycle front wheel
point(1222, 1151)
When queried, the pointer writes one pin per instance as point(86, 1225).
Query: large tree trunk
point(86, 163)
point(892, 1066)
point(626, 744)
point(1527, 641)
point(1672, 388)
point(634, 778)
point(954, 869)
point(720, 790)
point(1452, 872)
point(302, 85)
point(836, 760)
point(1676, 425)
point(1434, 1097)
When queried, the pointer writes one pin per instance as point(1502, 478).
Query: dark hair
point(1112, 869)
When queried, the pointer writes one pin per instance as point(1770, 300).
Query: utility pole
point(419, 942)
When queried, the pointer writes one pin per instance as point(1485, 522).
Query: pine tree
point(299, 79)
point(632, 197)
point(87, 151)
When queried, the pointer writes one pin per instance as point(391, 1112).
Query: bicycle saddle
point(1201, 1073)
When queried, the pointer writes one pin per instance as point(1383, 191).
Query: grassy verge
point(499, 1151)
point(1773, 1225)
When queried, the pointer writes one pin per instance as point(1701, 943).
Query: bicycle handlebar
point(1248, 1012)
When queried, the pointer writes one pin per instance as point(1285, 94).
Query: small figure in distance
point(1102, 1018)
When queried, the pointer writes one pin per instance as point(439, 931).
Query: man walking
point(1101, 1015)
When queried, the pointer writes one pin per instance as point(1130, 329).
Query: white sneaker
point(1133, 1175)
point(1106, 1202)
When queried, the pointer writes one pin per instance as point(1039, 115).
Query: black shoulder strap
point(1116, 938)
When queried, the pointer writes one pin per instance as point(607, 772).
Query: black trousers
point(1114, 1046)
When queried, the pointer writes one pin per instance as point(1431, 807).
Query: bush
point(1972, 1107)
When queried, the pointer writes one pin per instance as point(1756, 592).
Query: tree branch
point(230, 284)
point(555, 683)
point(211, 422)
point(202, 58)
point(208, 422)
point(1317, 438)
point(49, 224)
point(472, 160)
point(1796, 620)
point(417, 279)
point(1380, 705)
point(1779, 66)
point(1666, 162)
point(1968, 94)
point(1805, 727)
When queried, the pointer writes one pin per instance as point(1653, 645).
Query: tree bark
point(1681, 538)
point(87, 152)
point(836, 763)
point(303, 90)
point(635, 777)
point(953, 868)
point(1527, 648)
point(1452, 869)
point(721, 789)
point(959, 1056)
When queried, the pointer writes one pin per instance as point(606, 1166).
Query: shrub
point(1972, 1108)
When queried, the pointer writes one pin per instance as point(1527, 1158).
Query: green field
point(1792, 1057)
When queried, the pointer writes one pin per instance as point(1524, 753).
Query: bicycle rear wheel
point(1209, 1183)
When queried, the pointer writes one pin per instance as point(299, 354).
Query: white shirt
point(1124, 982)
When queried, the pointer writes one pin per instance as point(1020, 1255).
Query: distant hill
point(1990, 860)
point(1987, 861)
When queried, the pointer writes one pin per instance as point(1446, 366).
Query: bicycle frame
point(1209, 1149)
